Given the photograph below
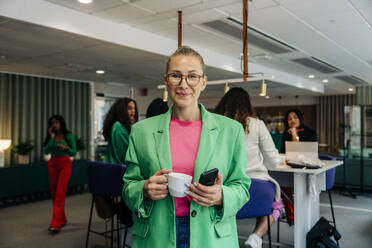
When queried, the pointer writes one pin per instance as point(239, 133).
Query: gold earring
point(165, 95)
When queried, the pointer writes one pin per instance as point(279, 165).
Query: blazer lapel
point(162, 146)
point(207, 143)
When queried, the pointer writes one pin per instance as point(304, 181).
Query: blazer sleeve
point(134, 182)
point(71, 145)
point(49, 146)
point(235, 189)
point(271, 158)
point(120, 140)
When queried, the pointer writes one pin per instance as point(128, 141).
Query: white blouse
point(261, 153)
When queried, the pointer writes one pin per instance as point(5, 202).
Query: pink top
point(184, 143)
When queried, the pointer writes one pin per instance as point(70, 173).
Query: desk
point(307, 184)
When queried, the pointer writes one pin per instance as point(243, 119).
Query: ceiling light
point(100, 71)
point(325, 81)
point(226, 88)
point(311, 76)
point(165, 95)
point(262, 57)
point(263, 88)
point(85, 1)
point(351, 89)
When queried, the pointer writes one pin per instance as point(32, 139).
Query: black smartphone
point(207, 178)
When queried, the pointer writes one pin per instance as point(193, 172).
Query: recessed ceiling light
point(267, 97)
point(325, 81)
point(262, 56)
point(100, 71)
point(311, 76)
point(351, 89)
point(85, 1)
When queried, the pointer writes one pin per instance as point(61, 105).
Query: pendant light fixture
point(226, 88)
point(263, 88)
point(165, 95)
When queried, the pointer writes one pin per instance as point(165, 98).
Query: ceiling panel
point(165, 5)
point(275, 20)
point(96, 5)
point(237, 8)
point(203, 16)
point(337, 22)
point(315, 8)
point(155, 26)
point(362, 3)
point(367, 13)
point(123, 13)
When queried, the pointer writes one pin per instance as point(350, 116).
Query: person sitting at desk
point(295, 130)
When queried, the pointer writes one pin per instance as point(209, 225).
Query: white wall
point(124, 91)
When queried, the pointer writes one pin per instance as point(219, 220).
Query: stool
point(105, 179)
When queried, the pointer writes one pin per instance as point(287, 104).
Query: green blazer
point(221, 146)
point(117, 145)
point(52, 147)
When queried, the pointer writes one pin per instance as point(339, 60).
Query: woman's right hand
point(292, 131)
point(156, 188)
point(50, 130)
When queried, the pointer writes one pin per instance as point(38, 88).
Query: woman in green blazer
point(152, 153)
point(116, 128)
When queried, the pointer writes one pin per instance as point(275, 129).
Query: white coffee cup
point(176, 184)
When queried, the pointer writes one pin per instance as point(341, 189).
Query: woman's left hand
point(207, 196)
point(62, 147)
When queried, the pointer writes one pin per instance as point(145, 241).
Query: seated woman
point(295, 130)
point(260, 151)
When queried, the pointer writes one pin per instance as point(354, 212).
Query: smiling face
point(131, 110)
point(293, 120)
point(183, 95)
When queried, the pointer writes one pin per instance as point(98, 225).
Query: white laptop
point(297, 150)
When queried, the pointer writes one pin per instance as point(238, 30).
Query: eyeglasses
point(175, 79)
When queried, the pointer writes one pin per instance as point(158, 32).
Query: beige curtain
point(26, 103)
point(364, 95)
point(330, 118)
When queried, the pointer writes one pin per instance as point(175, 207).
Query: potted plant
point(23, 149)
point(81, 145)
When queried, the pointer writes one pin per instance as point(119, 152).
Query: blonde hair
point(186, 51)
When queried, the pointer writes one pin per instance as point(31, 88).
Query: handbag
point(105, 207)
point(320, 235)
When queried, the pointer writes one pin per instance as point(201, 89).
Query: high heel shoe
point(53, 231)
